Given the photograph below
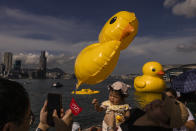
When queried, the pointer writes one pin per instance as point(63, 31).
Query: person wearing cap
point(118, 91)
point(190, 123)
point(159, 115)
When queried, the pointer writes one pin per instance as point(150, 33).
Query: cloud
point(19, 24)
point(31, 60)
point(166, 50)
point(27, 34)
point(163, 50)
point(169, 3)
point(186, 48)
point(186, 8)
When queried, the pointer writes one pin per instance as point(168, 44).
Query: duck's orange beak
point(129, 29)
point(161, 73)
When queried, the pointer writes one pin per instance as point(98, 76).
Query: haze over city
point(167, 31)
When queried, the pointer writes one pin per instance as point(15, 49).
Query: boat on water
point(85, 92)
point(57, 84)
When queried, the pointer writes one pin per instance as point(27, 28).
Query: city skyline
point(167, 31)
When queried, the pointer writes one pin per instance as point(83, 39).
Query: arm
point(65, 122)
point(97, 106)
point(43, 118)
point(127, 114)
point(190, 123)
point(61, 124)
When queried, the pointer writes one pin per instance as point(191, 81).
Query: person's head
point(171, 93)
point(15, 112)
point(118, 91)
point(168, 112)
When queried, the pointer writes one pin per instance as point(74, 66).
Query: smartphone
point(54, 102)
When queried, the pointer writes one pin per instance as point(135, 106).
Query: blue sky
point(167, 31)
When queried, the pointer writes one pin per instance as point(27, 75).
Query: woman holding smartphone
point(15, 110)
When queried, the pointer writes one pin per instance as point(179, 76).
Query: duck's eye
point(153, 70)
point(113, 20)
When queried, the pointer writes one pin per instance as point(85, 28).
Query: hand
point(43, 117)
point(95, 102)
point(65, 122)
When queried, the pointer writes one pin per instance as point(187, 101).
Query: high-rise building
point(17, 65)
point(8, 61)
point(2, 69)
point(43, 64)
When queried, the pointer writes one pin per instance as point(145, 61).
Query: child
point(118, 91)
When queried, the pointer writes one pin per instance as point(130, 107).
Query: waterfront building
point(172, 71)
point(8, 61)
point(42, 65)
point(2, 69)
point(17, 65)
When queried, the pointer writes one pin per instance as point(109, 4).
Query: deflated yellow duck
point(96, 62)
point(85, 92)
point(152, 80)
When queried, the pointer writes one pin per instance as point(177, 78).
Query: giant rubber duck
point(97, 61)
point(144, 98)
point(151, 80)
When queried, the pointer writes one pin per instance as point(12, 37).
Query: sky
point(167, 31)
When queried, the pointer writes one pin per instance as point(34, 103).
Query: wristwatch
point(38, 129)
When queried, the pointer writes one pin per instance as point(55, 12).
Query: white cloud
point(23, 29)
point(169, 3)
point(32, 60)
point(186, 7)
point(64, 39)
point(164, 50)
point(22, 32)
point(142, 49)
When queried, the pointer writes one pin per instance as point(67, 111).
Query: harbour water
point(38, 90)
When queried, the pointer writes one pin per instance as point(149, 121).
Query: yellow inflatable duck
point(85, 92)
point(144, 98)
point(152, 80)
point(97, 61)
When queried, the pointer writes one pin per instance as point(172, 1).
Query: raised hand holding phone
point(54, 103)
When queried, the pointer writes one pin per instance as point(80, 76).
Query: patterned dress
point(119, 111)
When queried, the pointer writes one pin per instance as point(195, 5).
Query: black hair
point(188, 97)
point(119, 92)
point(14, 102)
point(172, 91)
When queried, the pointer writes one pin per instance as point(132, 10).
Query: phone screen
point(54, 102)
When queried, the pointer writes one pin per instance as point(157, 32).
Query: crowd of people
point(170, 113)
